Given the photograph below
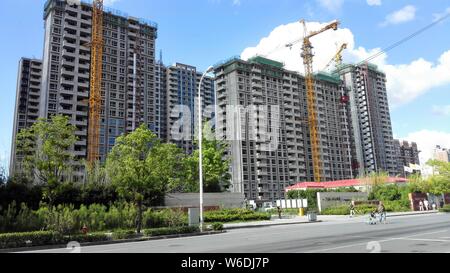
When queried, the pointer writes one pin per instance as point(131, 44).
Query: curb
point(271, 225)
point(142, 239)
point(413, 213)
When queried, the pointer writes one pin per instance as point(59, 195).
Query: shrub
point(446, 209)
point(17, 240)
point(123, 234)
point(397, 206)
point(164, 218)
point(233, 215)
point(170, 231)
point(345, 210)
point(88, 238)
point(23, 220)
point(217, 226)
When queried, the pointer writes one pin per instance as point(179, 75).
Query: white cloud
point(427, 141)
point(331, 5)
point(374, 2)
point(439, 16)
point(443, 110)
point(406, 14)
point(405, 82)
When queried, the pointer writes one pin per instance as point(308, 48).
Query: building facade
point(373, 142)
point(160, 125)
point(128, 84)
point(182, 83)
point(441, 154)
point(262, 113)
point(27, 104)
point(407, 155)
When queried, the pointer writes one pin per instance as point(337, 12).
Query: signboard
point(292, 203)
point(330, 199)
point(415, 199)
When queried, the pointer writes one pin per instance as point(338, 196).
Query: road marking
point(379, 241)
point(426, 240)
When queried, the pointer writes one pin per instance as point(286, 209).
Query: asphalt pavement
point(408, 234)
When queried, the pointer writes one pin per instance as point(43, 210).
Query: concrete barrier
point(217, 200)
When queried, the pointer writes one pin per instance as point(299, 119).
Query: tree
point(140, 166)
point(439, 183)
point(46, 150)
point(2, 175)
point(374, 180)
point(95, 174)
point(216, 168)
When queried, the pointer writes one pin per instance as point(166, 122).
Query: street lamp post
point(200, 142)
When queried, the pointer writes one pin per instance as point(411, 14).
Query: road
point(407, 234)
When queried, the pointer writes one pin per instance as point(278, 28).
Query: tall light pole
point(200, 142)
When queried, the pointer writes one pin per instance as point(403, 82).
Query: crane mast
point(308, 55)
point(95, 96)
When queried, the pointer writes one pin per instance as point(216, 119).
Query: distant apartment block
point(371, 121)
point(441, 154)
point(261, 110)
point(160, 124)
point(26, 111)
point(182, 83)
point(407, 155)
point(128, 84)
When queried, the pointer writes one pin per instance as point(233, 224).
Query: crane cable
point(389, 48)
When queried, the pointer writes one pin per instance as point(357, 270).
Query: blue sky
point(203, 32)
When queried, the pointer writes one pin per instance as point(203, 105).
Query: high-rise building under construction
point(262, 112)
point(28, 96)
point(373, 142)
point(128, 76)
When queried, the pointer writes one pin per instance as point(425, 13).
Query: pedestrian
point(434, 206)
point(382, 213)
point(426, 204)
point(279, 212)
point(352, 209)
point(421, 205)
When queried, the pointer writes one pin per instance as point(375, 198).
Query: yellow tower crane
point(95, 96)
point(307, 55)
point(337, 59)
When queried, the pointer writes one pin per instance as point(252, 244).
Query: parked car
point(268, 206)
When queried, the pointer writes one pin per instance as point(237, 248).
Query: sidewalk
point(296, 220)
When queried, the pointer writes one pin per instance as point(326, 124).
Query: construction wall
point(330, 199)
point(191, 200)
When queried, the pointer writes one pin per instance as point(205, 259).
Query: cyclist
point(382, 213)
point(352, 209)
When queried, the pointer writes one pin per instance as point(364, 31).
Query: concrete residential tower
point(128, 84)
point(182, 99)
point(262, 113)
point(371, 121)
point(28, 95)
point(407, 155)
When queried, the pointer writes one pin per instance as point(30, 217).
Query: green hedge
point(235, 215)
point(27, 239)
point(446, 208)
point(66, 219)
point(43, 238)
point(170, 231)
point(345, 210)
point(217, 226)
point(123, 234)
point(88, 238)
